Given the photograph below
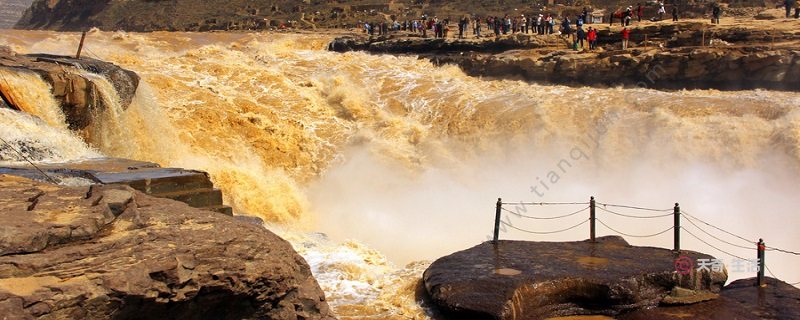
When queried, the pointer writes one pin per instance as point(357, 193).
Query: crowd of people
point(543, 24)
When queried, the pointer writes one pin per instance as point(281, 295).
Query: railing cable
point(636, 217)
point(48, 177)
point(718, 249)
point(544, 218)
point(544, 232)
point(632, 235)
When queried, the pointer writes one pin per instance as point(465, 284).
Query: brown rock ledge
point(111, 252)
point(535, 280)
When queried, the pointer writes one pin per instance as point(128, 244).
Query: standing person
point(716, 12)
point(566, 30)
point(674, 13)
point(478, 27)
point(586, 18)
point(796, 9)
point(592, 36)
point(639, 11)
point(622, 17)
point(611, 18)
point(581, 36)
point(788, 5)
point(661, 11)
point(628, 16)
point(524, 24)
point(540, 24)
point(626, 35)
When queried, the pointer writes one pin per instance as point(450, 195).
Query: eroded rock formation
point(536, 280)
point(78, 94)
point(109, 251)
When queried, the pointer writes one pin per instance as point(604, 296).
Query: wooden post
point(497, 220)
point(80, 46)
point(761, 248)
point(703, 44)
point(591, 219)
point(677, 228)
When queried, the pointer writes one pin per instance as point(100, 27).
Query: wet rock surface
point(72, 86)
point(112, 252)
point(684, 68)
point(741, 299)
point(535, 280)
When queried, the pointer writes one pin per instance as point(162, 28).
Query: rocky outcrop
point(188, 186)
point(105, 252)
point(404, 43)
point(536, 280)
point(741, 300)
point(78, 94)
point(684, 68)
point(685, 55)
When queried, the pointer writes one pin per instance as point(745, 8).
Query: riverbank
point(739, 54)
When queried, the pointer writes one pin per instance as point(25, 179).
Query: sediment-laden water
point(367, 163)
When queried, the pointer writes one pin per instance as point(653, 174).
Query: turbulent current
point(372, 164)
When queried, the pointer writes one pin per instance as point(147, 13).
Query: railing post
point(497, 220)
point(677, 228)
point(591, 219)
point(80, 46)
point(761, 248)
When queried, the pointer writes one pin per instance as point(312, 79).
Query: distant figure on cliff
point(592, 38)
point(674, 13)
point(788, 5)
point(566, 29)
point(661, 11)
point(796, 9)
point(716, 12)
point(581, 35)
point(628, 16)
point(626, 35)
point(523, 24)
point(611, 17)
point(585, 17)
point(639, 11)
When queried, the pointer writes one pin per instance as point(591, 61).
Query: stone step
point(223, 209)
point(158, 180)
point(198, 198)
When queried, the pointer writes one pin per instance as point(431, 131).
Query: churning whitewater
point(370, 162)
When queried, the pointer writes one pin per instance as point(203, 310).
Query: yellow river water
point(372, 165)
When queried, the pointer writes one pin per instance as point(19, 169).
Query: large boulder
point(73, 83)
point(109, 251)
point(535, 280)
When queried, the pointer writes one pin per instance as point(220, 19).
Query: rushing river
point(372, 164)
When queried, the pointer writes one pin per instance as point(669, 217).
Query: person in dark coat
point(674, 13)
point(581, 36)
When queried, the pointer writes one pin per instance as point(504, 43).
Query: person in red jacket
point(626, 35)
point(592, 37)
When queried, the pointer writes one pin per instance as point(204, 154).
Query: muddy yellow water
point(370, 163)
